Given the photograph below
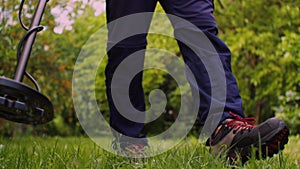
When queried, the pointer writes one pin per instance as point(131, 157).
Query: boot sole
point(263, 150)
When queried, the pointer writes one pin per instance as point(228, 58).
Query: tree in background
point(263, 36)
point(52, 57)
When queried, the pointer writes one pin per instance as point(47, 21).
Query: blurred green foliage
point(264, 37)
point(265, 43)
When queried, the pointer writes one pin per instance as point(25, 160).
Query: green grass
point(57, 152)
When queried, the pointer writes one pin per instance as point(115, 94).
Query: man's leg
point(117, 52)
point(235, 134)
point(200, 13)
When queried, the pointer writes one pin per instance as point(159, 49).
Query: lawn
point(81, 152)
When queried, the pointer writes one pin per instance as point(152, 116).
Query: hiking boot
point(238, 136)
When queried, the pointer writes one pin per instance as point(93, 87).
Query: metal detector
point(18, 101)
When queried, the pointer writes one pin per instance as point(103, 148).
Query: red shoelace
point(238, 123)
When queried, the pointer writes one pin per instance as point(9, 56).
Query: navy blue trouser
point(198, 12)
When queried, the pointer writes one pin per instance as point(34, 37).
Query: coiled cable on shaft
point(23, 40)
